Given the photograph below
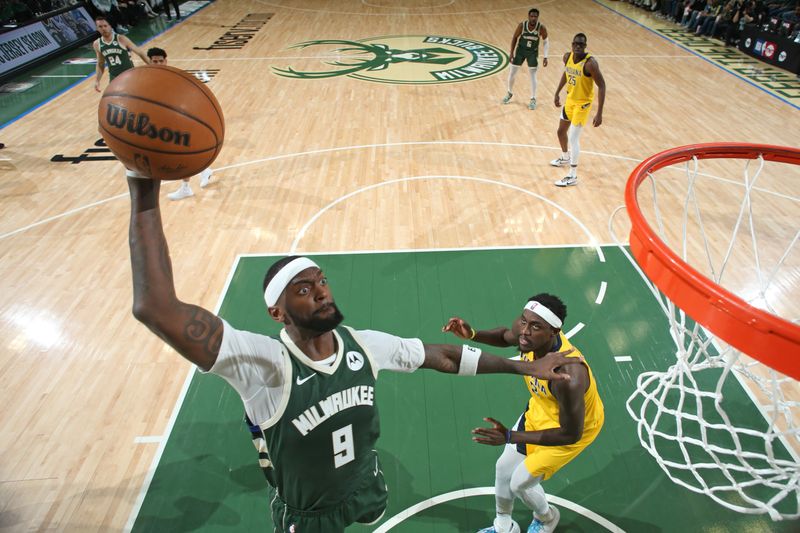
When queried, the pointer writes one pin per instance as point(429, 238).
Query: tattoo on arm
point(202, 328)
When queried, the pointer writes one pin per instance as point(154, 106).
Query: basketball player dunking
point(560, 420)
point(581, 73)
point(310, 390)
point(113, 49)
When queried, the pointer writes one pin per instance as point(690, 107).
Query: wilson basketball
point(161, 121)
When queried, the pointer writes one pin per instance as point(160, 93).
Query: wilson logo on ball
point(118, 116)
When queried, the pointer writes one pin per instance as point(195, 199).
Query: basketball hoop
point(690, 417)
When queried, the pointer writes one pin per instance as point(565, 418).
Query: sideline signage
point(24, 45)
point(771, 48)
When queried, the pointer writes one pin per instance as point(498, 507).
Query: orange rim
point(768, 338)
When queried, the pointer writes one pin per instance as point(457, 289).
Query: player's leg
point(532, 69)
point(563, 127)
point(528, 488)
point(506, 464)
point(516, 61)
point(184, 191)
point(579, 115)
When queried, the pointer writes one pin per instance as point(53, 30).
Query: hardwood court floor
point(331, 164)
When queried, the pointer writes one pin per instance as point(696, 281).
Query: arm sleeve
point(391, 352)
point(256, 366)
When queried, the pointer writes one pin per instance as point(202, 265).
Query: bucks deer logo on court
point(408, 59)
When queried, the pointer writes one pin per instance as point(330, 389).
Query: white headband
point(548, 316)
point(284, 276)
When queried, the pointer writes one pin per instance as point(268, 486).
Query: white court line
point(579, 326)
point(449, 3)
point(148, 439)
point(61, 215)
point(602, 293)
point(444, 249)
point(575, 219)
point(521, 7)
point(262, 58)
point(623, 358)
point(399, 144)
point(339, 56)
point(148, 479)
point(489, 491)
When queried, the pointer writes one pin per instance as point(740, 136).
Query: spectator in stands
point(690, 13)
point(792, 16)
point(705, 20)
point(14, 12)
point(111, 11)
point(742, 16)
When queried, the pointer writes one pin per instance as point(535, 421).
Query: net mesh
point(717, 421)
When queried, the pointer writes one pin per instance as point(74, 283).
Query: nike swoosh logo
point(301, 381)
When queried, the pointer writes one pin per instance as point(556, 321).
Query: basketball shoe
point(540, 526)
point(566, 182)
point(507, 98)
point(532, 104)
point(559, 162)
point(492, 529)
point(184, 191)
point(205, 177)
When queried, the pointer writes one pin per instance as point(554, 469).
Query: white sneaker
point(538, 526)
point(493, 529)
point(205, 177)
point(559, 162)
point(532, 104)
point(567, 181)
point(507, 98)
point(183, 192)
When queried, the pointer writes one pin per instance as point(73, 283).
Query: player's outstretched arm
point(571, 417)
point(100, 67)
point(194, 332)
point(502, 337)
point(468, 361)
point(127, 43)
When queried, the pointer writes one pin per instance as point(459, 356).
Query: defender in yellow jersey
point(560, 420)
point(581, 73)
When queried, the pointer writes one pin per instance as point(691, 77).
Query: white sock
point(574, 136)
point(512, 73)
point(573, 171)
point(532, 71)
point(502, 523)
point(565, 156)
point(546, 516)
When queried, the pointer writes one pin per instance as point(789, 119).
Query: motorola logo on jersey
point(355, 361)
point(406, 59)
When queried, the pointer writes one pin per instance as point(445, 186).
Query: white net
point(717, 421)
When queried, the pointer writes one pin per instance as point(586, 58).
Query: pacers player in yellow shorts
point(581, 74)
point(560, 420)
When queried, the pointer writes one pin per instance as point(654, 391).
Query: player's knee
point(520, 481)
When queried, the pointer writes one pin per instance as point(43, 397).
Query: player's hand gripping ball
point(161, 121)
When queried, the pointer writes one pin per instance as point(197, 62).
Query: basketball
point(161, 121)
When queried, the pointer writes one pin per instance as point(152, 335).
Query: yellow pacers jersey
point(542, 410)
point(580, 87)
